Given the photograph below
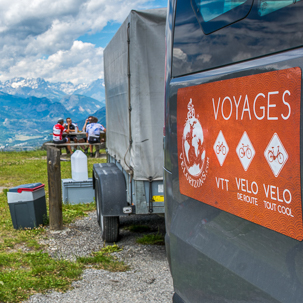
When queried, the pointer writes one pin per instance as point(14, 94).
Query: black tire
point(109, 225)
point(110, 195)
point(109, 228)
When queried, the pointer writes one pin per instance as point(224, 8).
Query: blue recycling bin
point(27, 205)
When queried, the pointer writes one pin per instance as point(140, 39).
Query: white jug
point(79, 166)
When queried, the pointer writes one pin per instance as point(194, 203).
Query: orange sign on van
point(239, 147)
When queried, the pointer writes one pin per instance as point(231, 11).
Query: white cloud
point(38, 38)
point(81, 63)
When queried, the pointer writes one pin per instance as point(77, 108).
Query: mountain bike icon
point(220, 148)
point(279, 156)
point(245, 151)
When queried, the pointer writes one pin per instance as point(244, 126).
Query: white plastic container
point(79, 166)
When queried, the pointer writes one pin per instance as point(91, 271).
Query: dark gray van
point(232, 149)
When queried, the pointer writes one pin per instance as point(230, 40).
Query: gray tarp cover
point(146, 65)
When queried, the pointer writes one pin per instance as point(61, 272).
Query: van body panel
point(215, 256)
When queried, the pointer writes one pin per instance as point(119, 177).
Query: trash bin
point(27, 205)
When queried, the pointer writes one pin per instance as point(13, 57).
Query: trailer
point(131, 182)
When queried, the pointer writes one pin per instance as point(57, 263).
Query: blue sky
point(60, 40)
point(101, 38)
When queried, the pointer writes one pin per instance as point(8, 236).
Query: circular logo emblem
point(193, 143)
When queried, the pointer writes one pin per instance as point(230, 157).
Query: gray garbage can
point(27, 205)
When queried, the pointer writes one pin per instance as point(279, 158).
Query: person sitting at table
point(93, 130)
point(84, 140)
point(87, 121)
point(58, 131)
point(72, 128)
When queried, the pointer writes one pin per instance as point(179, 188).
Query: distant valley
point(30, 107)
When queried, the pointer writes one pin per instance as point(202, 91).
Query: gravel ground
point(148, 279)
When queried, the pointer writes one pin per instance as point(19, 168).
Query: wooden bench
point(64, 145)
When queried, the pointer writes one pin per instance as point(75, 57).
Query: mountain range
point(30, 107)
point(31, 87)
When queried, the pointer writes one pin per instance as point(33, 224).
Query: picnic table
point(80, 134)
point(54, 177)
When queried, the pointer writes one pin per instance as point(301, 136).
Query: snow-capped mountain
point(95, 90)
point(28, 87)
point(79, 105)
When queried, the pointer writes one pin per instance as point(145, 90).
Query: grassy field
point(26, 272)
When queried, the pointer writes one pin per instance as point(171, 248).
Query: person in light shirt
point(58, 131)
point(84, 140)
point(87, 121)
point(93, 130)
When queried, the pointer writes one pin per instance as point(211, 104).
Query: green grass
point(30, 167)
point(103, 259)
point(151, 239)
point(23, 273)
point(71, 212)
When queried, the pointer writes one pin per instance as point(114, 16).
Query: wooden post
point(54, 188)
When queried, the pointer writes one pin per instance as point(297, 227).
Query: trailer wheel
point(109, 228)
point(109, 225)
point(110, 197)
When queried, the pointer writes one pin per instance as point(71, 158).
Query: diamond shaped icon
point(245, 151)
point(275, 155)
point(221, 148)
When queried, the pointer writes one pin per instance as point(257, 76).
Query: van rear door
point(233, 150)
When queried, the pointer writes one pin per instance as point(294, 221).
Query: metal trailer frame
point(143, 196)
point(131, 182)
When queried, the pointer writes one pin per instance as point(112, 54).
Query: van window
point(214, 15)
point(269, 6)
point(268, 27)
point(212, 9)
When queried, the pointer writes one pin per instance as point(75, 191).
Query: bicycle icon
point(245, 151)
point(272, 157)
point(220, 148)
